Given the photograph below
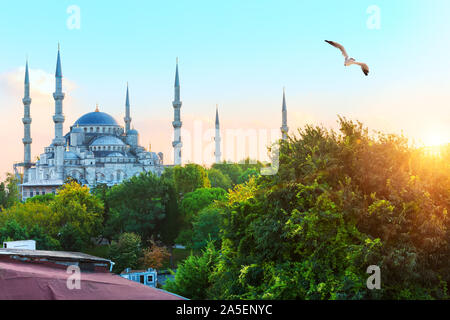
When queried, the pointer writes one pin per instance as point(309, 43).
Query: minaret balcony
point(177, 144)
point(177, 124)
point(26, 120)
point(58, 95)
point(27, 140)
point(59, 142)
point(177, 104)
point(26, 101)
point(58, 118)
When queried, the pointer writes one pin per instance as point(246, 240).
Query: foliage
point(232, 170)
point(339, 203)
point(192, 276)
point(155, 256)
point(126, 252)
point(206, 227)
point(9, 192)
point(218, 179)
point(77, 214)
point(71, 238)
point(247, 174)
point(142, 204)
point(195, 201)
point(13, 231)
point(189, 178)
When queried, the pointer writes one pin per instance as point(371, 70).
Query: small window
point(149, 279)
point(142, 279)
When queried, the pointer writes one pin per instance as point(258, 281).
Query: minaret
point(27, 126)
point(59, 141)
point(127, 113)
point(177, 144)
point(217, 139)
point(284, 128)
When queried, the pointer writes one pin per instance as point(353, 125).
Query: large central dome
point(97, 119)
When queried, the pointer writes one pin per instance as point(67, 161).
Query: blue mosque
point(97, 149)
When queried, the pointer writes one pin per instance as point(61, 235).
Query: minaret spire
point(127, 118)
point(217, 138)
point(177, 144)
point(59, 141)
point(284, 128)
point(27, 126)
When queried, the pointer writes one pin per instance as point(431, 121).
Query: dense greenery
point(340, 202)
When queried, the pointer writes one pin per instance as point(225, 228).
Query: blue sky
point(238, 54)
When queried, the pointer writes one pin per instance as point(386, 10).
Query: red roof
point(47, 281)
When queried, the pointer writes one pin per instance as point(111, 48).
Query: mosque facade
point(97, 149)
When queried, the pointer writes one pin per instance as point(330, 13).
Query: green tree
point(195, 201)
point(192, 276)
point(218, 179)
point(247, 174)
point(111, 224)
point(126, 252)
point(9, 191)
point(144, 205)
point(13, 231)
point(232, 170)
point(76, 211)
point(189, 178)
point(206, 227)
point(341, 201)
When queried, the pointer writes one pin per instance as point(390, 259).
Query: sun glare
point(435, 139)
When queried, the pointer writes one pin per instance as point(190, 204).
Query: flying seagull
point(349, 61)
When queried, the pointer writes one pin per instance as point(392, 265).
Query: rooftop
point(20, 280)
point(43, 275)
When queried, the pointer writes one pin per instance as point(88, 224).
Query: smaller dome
point(132, 132)
point(107, 141)
point(77, 130)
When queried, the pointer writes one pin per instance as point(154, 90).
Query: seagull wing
point(339, 46)
point(364, 67)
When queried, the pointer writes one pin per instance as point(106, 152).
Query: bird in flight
point(349, 61)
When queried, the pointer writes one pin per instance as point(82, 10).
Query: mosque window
point(98, 129)
point(31, 194)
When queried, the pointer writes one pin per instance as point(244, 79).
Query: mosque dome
point(132, 132)
point(107, 141)
point(96, 119)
